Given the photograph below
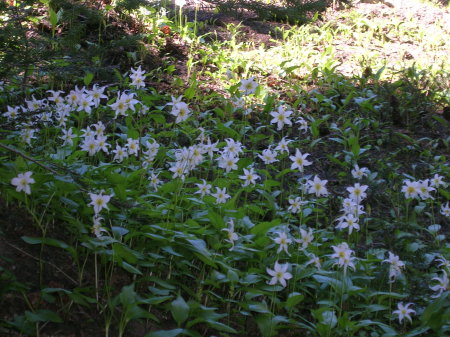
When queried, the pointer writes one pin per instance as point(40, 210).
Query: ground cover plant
point(293, 183)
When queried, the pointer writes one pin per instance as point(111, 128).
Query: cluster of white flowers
point(343, 254)
point(94, 139)
point(422, 188)
point(138, 77)
point(352, 207)
point(179, 109)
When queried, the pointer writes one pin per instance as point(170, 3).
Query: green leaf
point(50, 242)
point(263, 227)
point(199, 247)
point(43, 316)
point(165, 333)
point(294, 299)
point(179, 310)
point(53, 18)
point(88, 78)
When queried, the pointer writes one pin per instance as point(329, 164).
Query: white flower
point(314, 260)
point(210, 148)
point(443, 284)
point(179, 170)
point(411, 189)
point(133, 146)
point(299, 161)
point(102, 144)
point(138, 77)
point(181, 111)
point(306, 237)
point(120, 153)
point(231, 235)
point(348, 221)
point(283, 241)
point(99, 201)
point(359, 173)
point(85, 102)
point(203, 188)
point(357, 192)
point(344, 255)
point(268, 156)
point(303, 124)
point(12, 113)
point(180, 3)
point(445, 209)
point(317, 186)
point(67, 137)
point(404, 311)
point(279, 274)
point(283, 145)
point(97, 228)
point(154, 180)
point(90, 145)
point(437, 181)
point(248, 87)
point(233, 147)
point(425, 189)
point(296, 204)
point(228, 162)
point(281, 117)
point(97, 94)
point(221, 195)
point(395, 267)
point(23, 181)
point(443, 262)
point(249, 177)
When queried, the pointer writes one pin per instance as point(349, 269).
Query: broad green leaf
point(179, 310)
point(166, 333)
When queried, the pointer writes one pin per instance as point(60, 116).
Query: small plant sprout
point(23, 181)
point(99, 201)
point(279, 274)
point(248, 87)
point(441, 286)
point(281, 117)
point(395, 266)
point(249, 177)
point(231, 234)
point(317, 186)
point(221, 195)
point(299, 161)
point(283, 241)
point(403, 311)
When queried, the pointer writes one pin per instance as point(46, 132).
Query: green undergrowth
point(297, 188)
